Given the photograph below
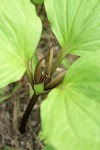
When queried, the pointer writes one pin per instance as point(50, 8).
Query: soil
point(17, 96)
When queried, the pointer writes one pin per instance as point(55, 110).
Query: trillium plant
point(70, 115)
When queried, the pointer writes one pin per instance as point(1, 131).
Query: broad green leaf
point(20, 30)
point(76, 24)
point(71, 113)
point(48, 148)
point(37, 1)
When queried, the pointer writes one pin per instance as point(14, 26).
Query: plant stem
point(31, 103)
point(27, 113)
point(58, 61)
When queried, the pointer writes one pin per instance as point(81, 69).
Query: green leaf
point(39, 88)
point(7, 148)
point(75, 24)
point(37, 1)
point(20, 30)
point(71, 113)
point(48, 148)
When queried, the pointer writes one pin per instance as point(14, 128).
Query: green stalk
point(58, 61)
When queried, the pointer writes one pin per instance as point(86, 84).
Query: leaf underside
point(76, 24)
point(71, 113)
point(20, 30)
